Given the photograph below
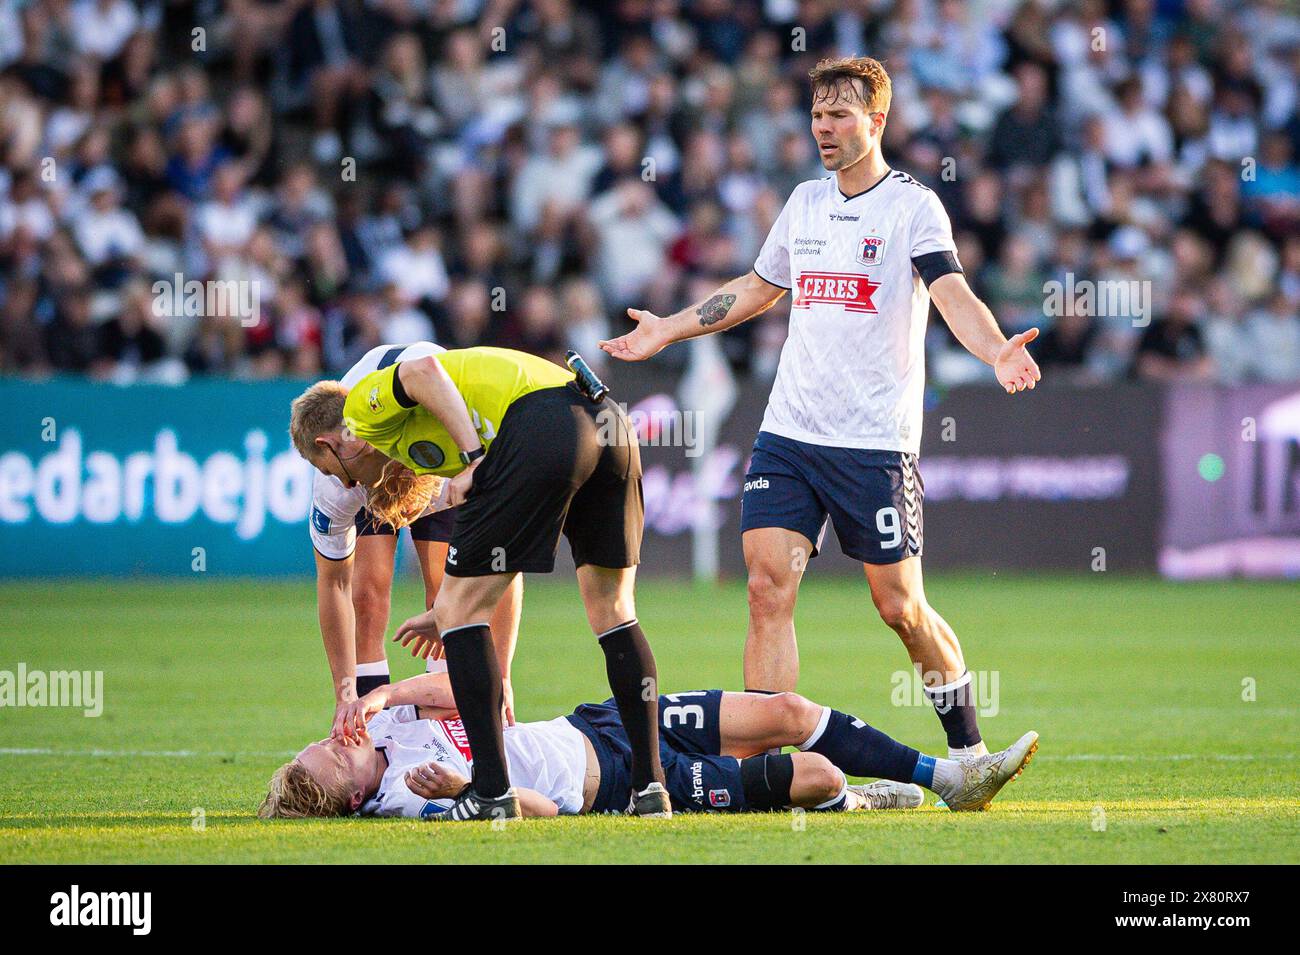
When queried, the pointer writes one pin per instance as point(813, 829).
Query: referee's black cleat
point(470, 806)
point(651, 803)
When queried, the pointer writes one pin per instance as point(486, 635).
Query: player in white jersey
point(355, 552)
point(863, 251)
point(415, 759)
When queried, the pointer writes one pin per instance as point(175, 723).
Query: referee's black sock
point(476, 683)
point(630, 666)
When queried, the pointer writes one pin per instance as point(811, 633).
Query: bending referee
point(530, 453)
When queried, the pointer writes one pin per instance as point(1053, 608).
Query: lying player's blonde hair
point(863, 77)
point(294, 793)
point(401, 495)
point(317, 411)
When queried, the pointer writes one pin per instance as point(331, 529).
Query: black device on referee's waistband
point(585, 379)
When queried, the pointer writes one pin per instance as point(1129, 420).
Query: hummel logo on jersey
point(835, 288)
point(758, 484)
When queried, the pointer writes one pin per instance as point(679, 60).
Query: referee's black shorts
point(559, 464)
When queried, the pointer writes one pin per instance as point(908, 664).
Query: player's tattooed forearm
point(715, 309)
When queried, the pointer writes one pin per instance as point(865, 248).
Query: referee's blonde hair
point(862, 76)
point(294, 793)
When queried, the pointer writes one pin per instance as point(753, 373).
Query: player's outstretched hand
point(435, 781)
point(420, 633)
point(1015, 369)
point(642, 342)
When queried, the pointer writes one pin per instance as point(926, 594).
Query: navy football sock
point(955, 705)
point(371, 675)
point(859, 749)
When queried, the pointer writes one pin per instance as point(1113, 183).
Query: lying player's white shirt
point(550, 758)
point(852, 371)
point(334, 508)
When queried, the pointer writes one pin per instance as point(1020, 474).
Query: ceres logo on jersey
point(375, 405)
point(835, 288)
point(871, 249)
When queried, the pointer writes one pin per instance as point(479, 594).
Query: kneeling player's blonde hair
point(317, 411)
point(294, 793)
point(400, 496)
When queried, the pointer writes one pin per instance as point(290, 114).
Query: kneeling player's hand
point(350, 719)
point(508, 698)
point(458, 487)
point(435, 781)
point(420, 633)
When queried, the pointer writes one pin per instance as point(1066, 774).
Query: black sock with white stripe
point(476, 683)
point(955, 705)
point(371, 676)
point(630, 666)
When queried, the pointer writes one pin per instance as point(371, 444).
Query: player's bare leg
point(898, 592)
point(755, 727)
point(775, 558)
point(372, 589)
point(751, 726)
point(609, 596)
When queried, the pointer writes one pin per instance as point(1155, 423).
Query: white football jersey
point(549, 758)
point(852, 371)
point(334, 508)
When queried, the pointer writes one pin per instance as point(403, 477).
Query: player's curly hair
point(316, 411)
point(855, 77)
point(294, 793)
point(401, 495)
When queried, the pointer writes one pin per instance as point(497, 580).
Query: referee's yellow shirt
point(489, 379)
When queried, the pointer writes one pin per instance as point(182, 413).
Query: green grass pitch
point(1150, 751)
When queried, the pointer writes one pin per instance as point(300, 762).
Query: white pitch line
point(260, 754)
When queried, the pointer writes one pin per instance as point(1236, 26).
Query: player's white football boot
point(887, 794)
point(651, 803)
point(984, 776)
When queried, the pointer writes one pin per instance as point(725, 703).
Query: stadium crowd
point(518, 173)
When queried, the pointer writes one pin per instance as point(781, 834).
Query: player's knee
point(817, 779)
point(794, 715)
point(902, 613)
point(772, 595)
point(370, 600)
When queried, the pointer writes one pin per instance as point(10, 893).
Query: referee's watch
point(469, 457)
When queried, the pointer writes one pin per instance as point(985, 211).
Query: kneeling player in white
point(715, 748)
point(355, 551)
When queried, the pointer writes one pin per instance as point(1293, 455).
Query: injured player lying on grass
point(405, 754)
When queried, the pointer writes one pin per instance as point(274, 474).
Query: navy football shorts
point(698, 778)
point(431, 527)
point(873, 498)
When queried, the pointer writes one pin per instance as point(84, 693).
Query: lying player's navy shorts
point(690, 740)
point(873, 498)
point(431, 527)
